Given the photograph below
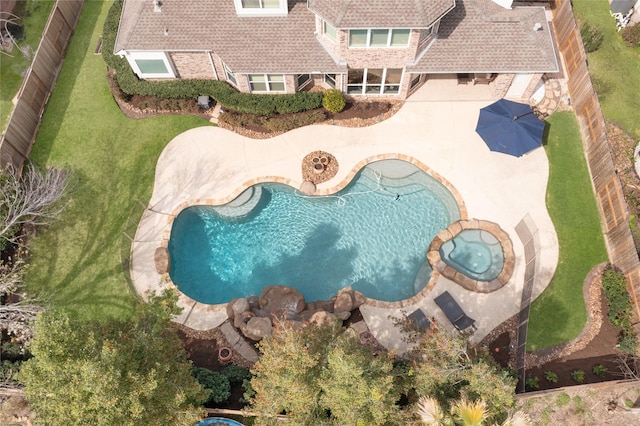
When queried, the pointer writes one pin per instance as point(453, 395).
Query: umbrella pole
point(515, 117)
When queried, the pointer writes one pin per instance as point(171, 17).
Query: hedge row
point(222, 92)
point(614, 285)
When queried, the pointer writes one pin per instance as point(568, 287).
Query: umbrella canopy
point(510, 127)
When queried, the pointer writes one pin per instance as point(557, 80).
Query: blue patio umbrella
point(510, 127)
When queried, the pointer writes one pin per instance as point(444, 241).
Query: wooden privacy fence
point(19, 136)
point(607, 187)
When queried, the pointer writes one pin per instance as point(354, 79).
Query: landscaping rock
point(280, 300)
point(321, 318)
point(344, 302)
point(257, 328)
point(359, 299)
point(237, 306)
point(343, 315)
point(161, 258)
point(321, 305)
point(240, 321)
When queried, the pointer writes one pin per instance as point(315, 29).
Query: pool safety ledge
point(435, 259)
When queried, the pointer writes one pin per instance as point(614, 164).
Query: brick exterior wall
point(192, 64)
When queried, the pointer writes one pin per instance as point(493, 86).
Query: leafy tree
point(323, 375)
point(442, 367)
point(127, 372)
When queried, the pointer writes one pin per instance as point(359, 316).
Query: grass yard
point(76, 263)
point(559, 314)
point(614, 68)
point(14, 65)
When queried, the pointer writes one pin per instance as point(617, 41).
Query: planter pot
point(224, 354)
point(318, 168)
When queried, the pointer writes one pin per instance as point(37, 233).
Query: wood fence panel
point(18, 138)
point(609, 195)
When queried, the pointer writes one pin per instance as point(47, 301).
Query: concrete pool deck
point(209, 165)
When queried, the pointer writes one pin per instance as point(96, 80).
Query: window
point(261, 7)
point(329, 31)
point(260, 4)
point(414, 83)
point(330, 79)
point(425, 35)
point(379, 38)
point(266, 82)
point(231, 77)
point(150, 64)
point(374, 81)
point(303, 80)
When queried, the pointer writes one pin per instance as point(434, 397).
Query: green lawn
point(614, 68)
point(76, 263)
point(14, 65)
point(559, 314)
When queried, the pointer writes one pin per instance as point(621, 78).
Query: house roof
point(480, 36)
point(381, 13)
point(283, 44)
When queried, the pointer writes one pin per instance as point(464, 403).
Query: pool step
point(241, 205)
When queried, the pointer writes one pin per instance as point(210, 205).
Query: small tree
point(17, 313)
point(29, 199)
point(128, 372)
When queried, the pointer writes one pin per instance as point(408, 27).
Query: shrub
point(599, 370)
point(631, 35)
point(286, 123)
point(223, 93)
point(217, 384)
point(333, 100)
point(236, 374)
point(532, 383)
point(614, 285)
point(577, 375)
point(628, 342)
point(591, 36)
point(551, 377)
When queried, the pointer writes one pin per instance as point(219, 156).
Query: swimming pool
point(218, 421)
point(372, 236)
point(475, 253)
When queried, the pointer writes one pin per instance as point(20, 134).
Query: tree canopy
point(128, 372)
point(323, 375)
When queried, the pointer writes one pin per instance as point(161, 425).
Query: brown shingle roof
point(479, 36)
point(284, 44)
point(381, 13)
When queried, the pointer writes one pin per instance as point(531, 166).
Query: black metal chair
point(454, 312)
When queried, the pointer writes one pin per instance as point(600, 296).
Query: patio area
point(212, 166)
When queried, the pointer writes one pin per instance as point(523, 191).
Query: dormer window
point(329, 31)
point(379, 37)
point(261, 7)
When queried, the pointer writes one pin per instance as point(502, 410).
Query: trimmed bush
point(222, 92)
point(631, 35)
point(286, 123)
point(591, 36)
point(551, 377)
point(236, 374)
point(614, 285)
point(216, 383)
point(599, 370)
point(333, 100)
point(577, 375)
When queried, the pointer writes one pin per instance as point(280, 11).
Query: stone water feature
point(254, 315)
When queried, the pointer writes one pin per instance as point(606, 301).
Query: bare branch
point(32, 198)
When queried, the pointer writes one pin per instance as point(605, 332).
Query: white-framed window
point(379, 37)
point(266, 82)
point(374, 81)
point(231, 77)
point(425, 35)
point(302, 80)
point(330, 79)
point(151, 64)
point(261, 7)
point(329, 31)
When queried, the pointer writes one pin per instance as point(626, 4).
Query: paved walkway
point(209, 165)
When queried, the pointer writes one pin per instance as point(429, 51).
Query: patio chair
point(454, 312)
point(420, 320)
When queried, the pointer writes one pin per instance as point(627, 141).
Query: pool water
point(475, 253)
point(372, 236)
point(218, 421)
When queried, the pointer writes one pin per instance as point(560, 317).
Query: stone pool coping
point(435, 259)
